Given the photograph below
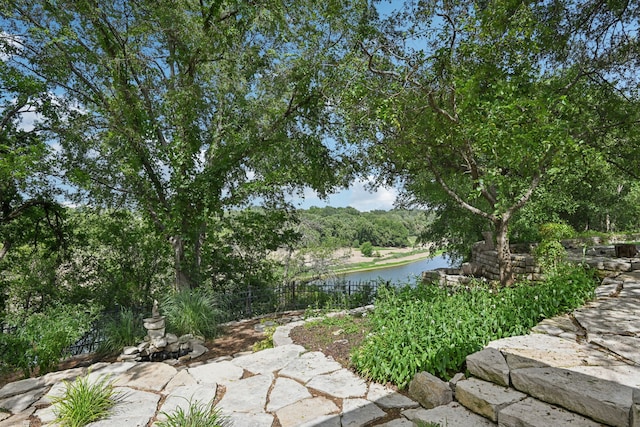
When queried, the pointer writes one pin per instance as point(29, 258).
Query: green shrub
point(84, 402)
point(267, 342)
point(191, 312)
point(556, 231)
point(13, 354)
point(550, 253)
point(42, 339)
point(428, 328)
point(120, 331)
point(367, 249)
point(198, 415)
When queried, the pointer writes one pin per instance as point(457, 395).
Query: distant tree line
point(347, 227)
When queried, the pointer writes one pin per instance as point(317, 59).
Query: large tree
point(27, 199)
point(186, 109)
point(472, 105)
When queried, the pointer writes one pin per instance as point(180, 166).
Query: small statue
point(154, 310)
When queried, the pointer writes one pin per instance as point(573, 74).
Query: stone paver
point(585, 365)
point(309, 365)
point(182, 378)
point(185, 396)
point(387, 398)
point(307, 410)
point(342, 384)
point(247, 395)
point(213, 373)
point(269, 360)
point(136, 408)
point(359, 412)
point(286, 392)
point(20, 402)
point(21, 386)
point(147, 376)
point(452, 414)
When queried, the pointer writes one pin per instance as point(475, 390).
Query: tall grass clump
point(84, 402)
point(197, 415)
point(191, 312)
point(429, 328)
point(125, 329)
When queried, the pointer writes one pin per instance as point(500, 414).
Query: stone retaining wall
point(484, 261)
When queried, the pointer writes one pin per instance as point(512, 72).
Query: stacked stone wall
point(484, 262)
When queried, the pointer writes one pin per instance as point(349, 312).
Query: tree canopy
point(475, 105)
point(175, 117)
point(186, 109)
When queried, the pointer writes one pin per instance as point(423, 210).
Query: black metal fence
point(253, 301)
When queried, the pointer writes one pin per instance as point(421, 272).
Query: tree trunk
point(182, 278)
point(504, 253)
point(5, 248)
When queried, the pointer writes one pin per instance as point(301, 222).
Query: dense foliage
point(481, 108)
point(430, 328)
point(147, 147)
point(342, 227)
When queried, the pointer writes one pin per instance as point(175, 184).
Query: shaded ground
point(331, 340)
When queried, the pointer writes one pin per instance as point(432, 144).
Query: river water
point(406, 273)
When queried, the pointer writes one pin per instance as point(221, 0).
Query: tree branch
point(455, 195)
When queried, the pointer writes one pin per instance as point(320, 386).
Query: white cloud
point(364, 200)
point(357, 196)
point(28, 119)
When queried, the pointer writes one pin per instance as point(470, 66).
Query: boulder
point(490, 365)
point(430, 391)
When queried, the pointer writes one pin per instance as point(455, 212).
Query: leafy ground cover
point(429, 328)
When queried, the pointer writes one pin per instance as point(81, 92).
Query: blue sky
point(356, 196)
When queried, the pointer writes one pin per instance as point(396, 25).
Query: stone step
point(452, 414)
point(572, 375)
point(511, 408)
point(485, 398)
point(534, 413)
point(602, 400)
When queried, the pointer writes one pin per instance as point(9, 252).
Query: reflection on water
point(404, 273)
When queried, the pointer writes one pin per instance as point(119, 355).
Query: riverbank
point(352, 260)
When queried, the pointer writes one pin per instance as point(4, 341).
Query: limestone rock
point(430, 391)
point(127, 351)
point(386, 398)
point(307, 410)
point(453, 382)
point(286, 392)
point(22, 386)
point(534, 413)
point(601, 400)
point(360, 412)
point(171, 338)
point(489, 364)
point(452, 415)
point(485, 398)
point(198, 350)
point(342, 384)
